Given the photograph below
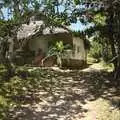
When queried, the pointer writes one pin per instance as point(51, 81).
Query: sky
point(74, 26)
point(79, 26)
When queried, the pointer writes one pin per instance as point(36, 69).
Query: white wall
point(78, 46)
point(43, 41)
point(37, 43)
point(78, 52)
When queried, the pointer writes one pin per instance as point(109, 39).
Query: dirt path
point(71, 95)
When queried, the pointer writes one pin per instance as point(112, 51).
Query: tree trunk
point(112, 39)
point(117, 69)
point(5, 58)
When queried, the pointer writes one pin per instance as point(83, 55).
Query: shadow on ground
point(64, 96)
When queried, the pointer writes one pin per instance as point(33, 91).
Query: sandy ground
point(71, 95)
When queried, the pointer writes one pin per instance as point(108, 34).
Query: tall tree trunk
point(4, 58)
point(111, 37)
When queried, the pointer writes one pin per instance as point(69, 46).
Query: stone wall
point(79, 51)
point(75, 58)
point(73, 63)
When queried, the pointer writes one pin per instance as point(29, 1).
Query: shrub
point(3, 107)
point(96, 50)
point(107, 54)
point(3, 72)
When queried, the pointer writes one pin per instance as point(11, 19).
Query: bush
point(3, 107)
point(22, 72)
point(96, 50)
point(107, 54)
point(3, 72)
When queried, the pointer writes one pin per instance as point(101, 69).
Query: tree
point(19, 12)
point(110, 30)
point(86, 11)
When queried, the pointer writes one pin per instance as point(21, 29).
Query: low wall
point(73, 63)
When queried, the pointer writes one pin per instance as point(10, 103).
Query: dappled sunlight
point(60, 95)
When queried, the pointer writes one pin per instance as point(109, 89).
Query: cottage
point(36, 36)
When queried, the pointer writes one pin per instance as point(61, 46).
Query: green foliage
point(3, 72)
point(14, 90)
point(100, 50)
point(77, 2)
point(96, 50)
point(100, 19)
point(5, 28)
point(78, 34)
point(3, 107)
point(58, 48)
point(107, 54)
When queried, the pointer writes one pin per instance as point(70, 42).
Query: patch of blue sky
point(74, 26)
point(79, 26)
point(61, 8)
point(6, 13)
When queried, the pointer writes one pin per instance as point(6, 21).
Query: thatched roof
point(35, 27)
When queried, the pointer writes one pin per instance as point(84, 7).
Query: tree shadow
point(65, 95)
